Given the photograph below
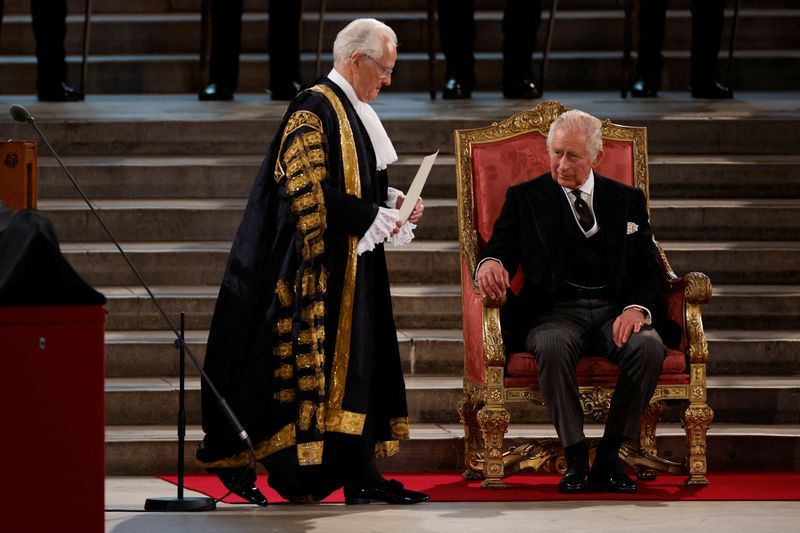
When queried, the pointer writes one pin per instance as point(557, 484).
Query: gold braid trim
point(284, 372)
point(338, 419)
point(400, 428)
point(306, 412)
point(309, 453)
point(284, 294)
point(387, 448)
point(344, 421)
point(282, 439)
point(299, 119)
point(283, 350)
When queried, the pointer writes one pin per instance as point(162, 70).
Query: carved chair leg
point(647, 438)
point(473, 437)
point(696, 421)
point(494, 423)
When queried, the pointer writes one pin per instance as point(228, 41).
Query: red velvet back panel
point(500, 164)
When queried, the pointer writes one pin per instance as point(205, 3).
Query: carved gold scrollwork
point(696, 420)
point(698, 288)
point(647, 429)
point(595, 403)
point(493, 338)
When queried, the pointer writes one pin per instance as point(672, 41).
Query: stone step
point(756, 70)
point(145, 450)
point(217, 219)
point(596, 29)
point(433, 306)
point(143, 177)
point(424, 351)
point(312, 6)
point(152, 353)
point(177, 125)
point(433, 399)
point(163, 177)
point(202, 263)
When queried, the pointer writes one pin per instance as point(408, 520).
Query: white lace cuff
point(381, 231)
point(392, 196)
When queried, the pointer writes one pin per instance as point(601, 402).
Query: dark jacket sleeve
point(644, 275)
point(504, 243)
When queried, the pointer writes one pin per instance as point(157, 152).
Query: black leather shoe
point(521, 90)
point(60, 93)
point(455, 90)
point(611, 479)
point(574, 479)
point(285, 91)
point(242, 482)
point(391, 491)
point(641, 88)
point(215, 92)
point(711, 89)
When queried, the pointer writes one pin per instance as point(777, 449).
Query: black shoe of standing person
point(455, 90)
point(711, 89)
point(215, 92)
point(611, 477)
point(285, 91)
point(389, 491)
point(59, 93)
point(521, 90)
point(643, 88)
point(242, 482)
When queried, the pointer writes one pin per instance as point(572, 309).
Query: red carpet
point(451, 487)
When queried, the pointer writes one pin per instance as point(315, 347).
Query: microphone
point(20, 114)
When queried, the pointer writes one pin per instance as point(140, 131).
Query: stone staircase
point(172, 188)
point(171, 175)
point(152, 46)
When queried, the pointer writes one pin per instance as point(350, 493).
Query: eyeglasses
point(385, 71)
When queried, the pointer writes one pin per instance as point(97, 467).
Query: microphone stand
point(20, 114)
point(180, 503)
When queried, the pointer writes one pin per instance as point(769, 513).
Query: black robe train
point(303, 343)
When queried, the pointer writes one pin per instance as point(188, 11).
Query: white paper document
point(416, 186)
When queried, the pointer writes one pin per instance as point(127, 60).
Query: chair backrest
point(491, 159)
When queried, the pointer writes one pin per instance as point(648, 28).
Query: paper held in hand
point(416, 186)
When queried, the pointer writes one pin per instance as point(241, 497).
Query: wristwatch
point(647, 318)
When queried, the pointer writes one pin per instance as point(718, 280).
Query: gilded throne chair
point(488, 161)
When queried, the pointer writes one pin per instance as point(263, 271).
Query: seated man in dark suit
point(592, 278)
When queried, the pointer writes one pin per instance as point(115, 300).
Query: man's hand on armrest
point(492, 279)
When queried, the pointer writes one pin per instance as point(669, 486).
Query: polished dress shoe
point(242, 482)
point(455, 90)
point(711, 89)
point(611, 478)
point(641, 88)
point(521, 90)
point(59, 93)
point(574, 479)
point(285, 91)
point(390, 491)
point(215, 92)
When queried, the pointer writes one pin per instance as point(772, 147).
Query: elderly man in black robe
point(303, 344)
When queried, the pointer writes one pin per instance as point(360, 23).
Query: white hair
point(366, 36)
point(576, 121)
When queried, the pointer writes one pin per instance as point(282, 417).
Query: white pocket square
point(633, 227)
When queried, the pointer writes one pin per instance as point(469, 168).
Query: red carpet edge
point(452, 487)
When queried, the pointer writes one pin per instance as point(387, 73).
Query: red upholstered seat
point(488, 161)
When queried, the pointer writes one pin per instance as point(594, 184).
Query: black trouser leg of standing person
point(457, 36)
point(226, 43)
point(650, 60)
point(284, 48)
point(708, 17)
point(50, 28)
point(521, 21)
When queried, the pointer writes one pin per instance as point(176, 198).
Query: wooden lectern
point(18, 173)
point(53, 442)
